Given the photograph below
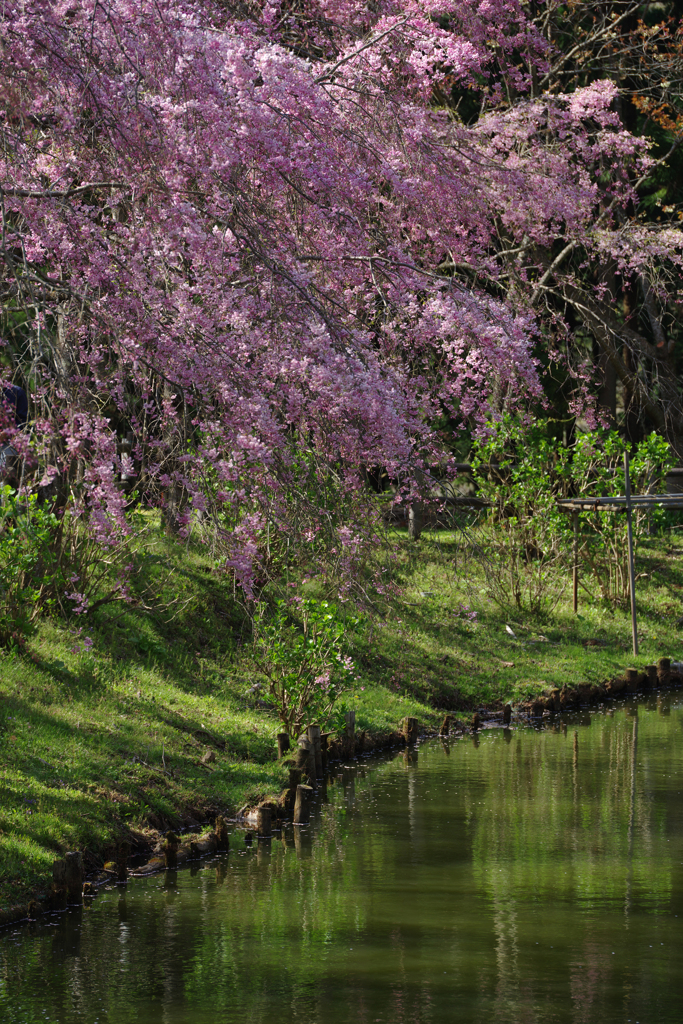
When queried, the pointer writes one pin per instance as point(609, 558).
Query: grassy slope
point(95, 743)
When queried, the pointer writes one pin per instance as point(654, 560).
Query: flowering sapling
point(306, 664)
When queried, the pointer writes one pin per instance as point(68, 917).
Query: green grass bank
point(142, 716)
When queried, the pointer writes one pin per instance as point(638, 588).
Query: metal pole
point(631, 560)
point(575, 574)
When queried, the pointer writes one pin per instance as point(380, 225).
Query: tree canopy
point(251, 247)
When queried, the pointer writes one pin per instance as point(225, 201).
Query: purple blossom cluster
point(239, 238)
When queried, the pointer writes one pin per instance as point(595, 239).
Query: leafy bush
point(521, 473)
point(50, 563)
point(26, 565)
point(306, 665)
point(527, 540)
point(597, 469)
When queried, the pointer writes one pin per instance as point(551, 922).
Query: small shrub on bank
point(49, 562)
point(524, 536)
point(307, 665)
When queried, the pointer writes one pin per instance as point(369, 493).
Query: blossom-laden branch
point(224, 241)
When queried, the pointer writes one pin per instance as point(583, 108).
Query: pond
point(523, 875)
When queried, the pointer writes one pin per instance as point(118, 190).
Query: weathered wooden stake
point(557, 702)
point(410, 729)
point(313, 733)
point(651, 675)
point(282, 744)
point(59, 879)
point(263, 822)
point(663, 671)
point(631, 559)
point(171, 844)
point(632, 679)
point(302, 806)
point(222, 838)
point(476, 721)
point(575, 568)
point(306, 760)
point(350, 724)
point(74, 876)
point(122, 861)
point(446, 725)
point(507, 714)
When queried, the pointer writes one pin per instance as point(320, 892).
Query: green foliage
point(49, 563)
point(307, 665)
point(29, 569)
point(521, 472)
point(597, 469)
point(527, 540)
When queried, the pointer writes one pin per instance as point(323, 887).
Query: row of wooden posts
point(310, 765)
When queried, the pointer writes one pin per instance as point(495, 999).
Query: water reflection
point(536, 875)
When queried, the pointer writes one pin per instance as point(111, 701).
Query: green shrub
point(306, 664)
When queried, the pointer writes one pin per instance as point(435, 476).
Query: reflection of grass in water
point(567, 827)
point(390, 899)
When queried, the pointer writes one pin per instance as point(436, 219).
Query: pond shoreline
point(150, 843)
point(145, 844)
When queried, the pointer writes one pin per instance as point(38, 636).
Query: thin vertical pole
point(575, 574)
point(631, 560)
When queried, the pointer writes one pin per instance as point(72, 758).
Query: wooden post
point(350, 725)
point(663, 671)
point(74, 876)
point(222, 838)
point(410, 729)
point(263, 824)
point(171, 850)
point(632, 679)
point(313, 733)
point(651, 675)
point(282, 744)
point(302, 807)
point(59, 883)
point(294, 781)
point(507, 714)
point(575, 568)
point(122, 861)
point(446, 725)
point(476, 721)
point(306, 761)
point(631, 560)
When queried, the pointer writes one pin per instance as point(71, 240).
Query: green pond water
point(529, 876)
